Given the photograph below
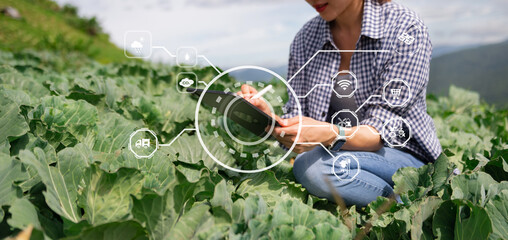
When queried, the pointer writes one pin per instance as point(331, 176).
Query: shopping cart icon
point(396, 93)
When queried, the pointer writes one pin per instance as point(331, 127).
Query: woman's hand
point(312, 132)
point(248, 92)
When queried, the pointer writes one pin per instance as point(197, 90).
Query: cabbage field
point(66, 171)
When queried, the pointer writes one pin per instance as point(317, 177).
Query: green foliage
point(61, 184)
point(66, 170)
point(12, 123)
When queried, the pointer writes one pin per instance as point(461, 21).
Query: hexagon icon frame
point(359, 169)
point(355, 83)
point(410, 133)
point(337, 113)
point(405, 101)
point(156, 143)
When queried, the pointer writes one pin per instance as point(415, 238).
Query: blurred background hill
point(44, 25)
point(482, 69)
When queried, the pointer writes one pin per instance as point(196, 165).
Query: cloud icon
point(186, 82)
point(138, 47)
point(136, 44)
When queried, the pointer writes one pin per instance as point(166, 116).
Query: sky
point(258, 32)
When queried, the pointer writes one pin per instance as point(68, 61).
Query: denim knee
point(308, 171)
point(299, 166)
point(314, 170)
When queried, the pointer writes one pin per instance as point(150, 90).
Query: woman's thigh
point(368, 174)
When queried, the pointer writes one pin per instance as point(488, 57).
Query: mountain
point(438, 51)
point(482, 69)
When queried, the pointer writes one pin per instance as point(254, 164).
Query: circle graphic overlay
point(228, 112)
point(346, 167)
point(222, 122)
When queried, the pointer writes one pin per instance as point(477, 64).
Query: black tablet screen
point(237, 109)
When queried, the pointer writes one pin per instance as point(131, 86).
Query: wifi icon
point(344, 84)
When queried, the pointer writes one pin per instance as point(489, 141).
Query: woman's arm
point(365, 138)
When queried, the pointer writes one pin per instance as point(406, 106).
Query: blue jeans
point(356, 187)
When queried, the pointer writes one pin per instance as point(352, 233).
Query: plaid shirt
point(386, 53)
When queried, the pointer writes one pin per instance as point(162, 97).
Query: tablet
point(237, 109)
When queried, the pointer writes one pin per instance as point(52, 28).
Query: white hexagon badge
point(345, 119)
point(396, 132)
point(346, 167)
point(143, 143)
point(397, 93)
point(344, 84)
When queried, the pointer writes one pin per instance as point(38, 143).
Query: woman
point(392, 51)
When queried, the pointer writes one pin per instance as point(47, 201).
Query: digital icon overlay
point(406, 38)
point(396, 132)
point(138, 44)
point(397, 93)
point(143, 143)
point(347, 84)
point(346, 119)
point(346, 167)
point(186, 80)
point(187, 57)
point(248, 146)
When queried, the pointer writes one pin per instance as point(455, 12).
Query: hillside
point(482, 69)
point(46, 26)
